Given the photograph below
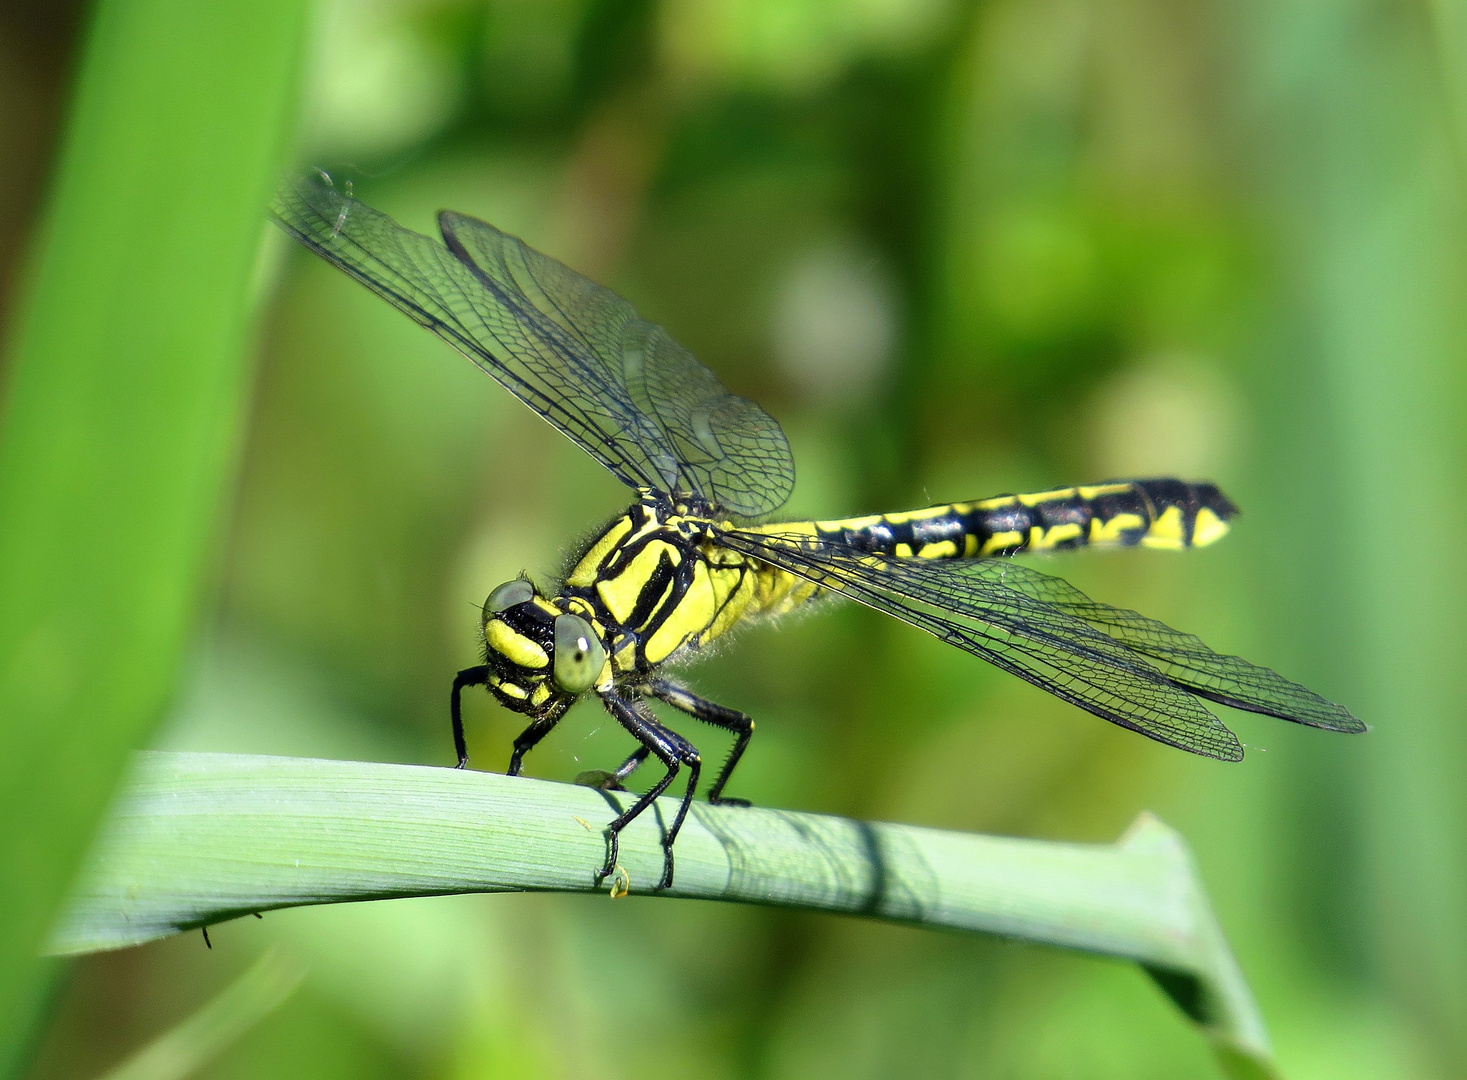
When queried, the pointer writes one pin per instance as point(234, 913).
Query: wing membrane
point(1186, 661)
point(576, 353)
point(1119, 665)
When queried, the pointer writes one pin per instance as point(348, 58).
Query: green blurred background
point(956, 249)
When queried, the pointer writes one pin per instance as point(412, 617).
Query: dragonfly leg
point(474, 676)
point(529, 738)
point(717, 715)
point(673, 751)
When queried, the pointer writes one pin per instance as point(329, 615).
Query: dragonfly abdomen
point(1161, 513)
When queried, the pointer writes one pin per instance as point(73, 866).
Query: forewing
point(574, 352)
point(709, 442)
point(969, 603)
point(717, 444)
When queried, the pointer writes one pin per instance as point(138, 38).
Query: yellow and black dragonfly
point(685, 563)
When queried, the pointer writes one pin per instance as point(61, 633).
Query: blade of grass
point(199, 838)
point(124, 395)
point(192, 1044)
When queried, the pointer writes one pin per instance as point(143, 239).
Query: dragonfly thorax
point(660, 584)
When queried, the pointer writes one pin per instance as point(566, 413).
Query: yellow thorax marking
point(733, 590)
point(648, 527)
point(620, 593)
point(777, 591)
point(691, 617)
point(624, 653)
point(585, 571)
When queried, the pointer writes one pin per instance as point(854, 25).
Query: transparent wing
point(1130, 670)
point(576, 353)
point(1186, 661)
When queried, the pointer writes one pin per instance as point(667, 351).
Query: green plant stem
point(200, 838)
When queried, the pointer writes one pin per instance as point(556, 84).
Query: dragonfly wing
point(716, 444)
point(1119, 665)
point(1187, 661)
point(576, 353)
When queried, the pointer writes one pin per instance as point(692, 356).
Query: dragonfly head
point(540, 656)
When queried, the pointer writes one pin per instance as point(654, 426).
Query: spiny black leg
point(474, 676)
point(652, 741)
point(673, 751)
point(717, 715)
point(688, 755)
point(529, 737)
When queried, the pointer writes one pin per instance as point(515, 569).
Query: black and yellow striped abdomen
point(656, 582)
point(1161, 513)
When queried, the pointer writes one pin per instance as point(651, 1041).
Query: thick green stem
point(198, 838)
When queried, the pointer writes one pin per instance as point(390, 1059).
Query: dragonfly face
point(540, 657)
point(684, 565)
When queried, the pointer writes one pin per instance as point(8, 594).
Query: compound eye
point(579, 656)
point(508, 595)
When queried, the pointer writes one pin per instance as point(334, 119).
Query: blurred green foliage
point(956, 248)
point(124, 402)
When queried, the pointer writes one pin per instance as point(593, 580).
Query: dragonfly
point(697, 553)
